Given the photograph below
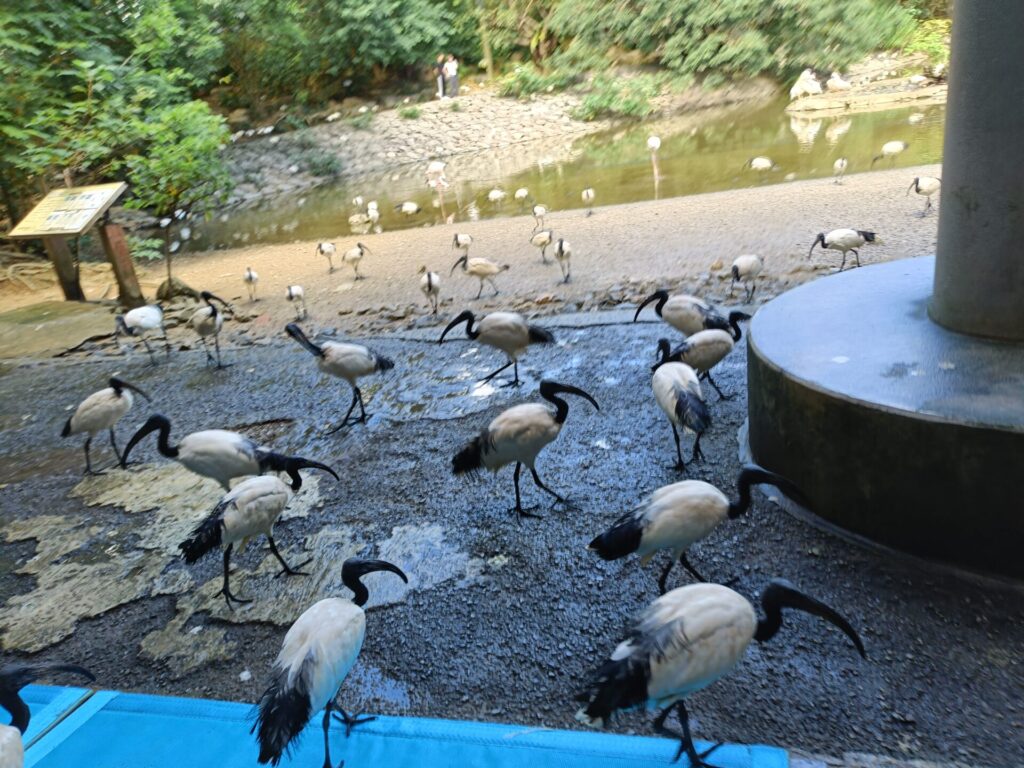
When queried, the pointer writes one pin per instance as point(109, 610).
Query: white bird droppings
point(245, 676)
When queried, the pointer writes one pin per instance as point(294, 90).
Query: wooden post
point(120, 257)
point(59, 253)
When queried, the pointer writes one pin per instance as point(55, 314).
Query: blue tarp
point(119, 730)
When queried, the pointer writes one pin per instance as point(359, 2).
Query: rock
point(545, 298)
point(716, 265)
point(176, 288)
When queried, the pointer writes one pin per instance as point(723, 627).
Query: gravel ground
point(510, 636)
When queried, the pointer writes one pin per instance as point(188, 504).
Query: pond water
point(702, 152)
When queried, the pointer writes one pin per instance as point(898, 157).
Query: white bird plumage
point(251, 278)
point(588, 196)
point(702, 351)
point(208, 321)
point(521, 195)
point(845, 241)
point(563, 255)
point(353, 256)
point(505, 331)
point(328, 250)
point(101, 411)
point(653, 143)
point(925, 186)
point(430, 284)
point(690, 314)
point(141, 321)
point(296, 295)
point(539, 212)
point(677, 392)
point(461, 241)
point(760, 164)
point(836, 83)
point(480, 268)
point(542, 240)
point(496, 195)
point(408, 208)
point(890, 151)
point(745, 270)
point(839, 169)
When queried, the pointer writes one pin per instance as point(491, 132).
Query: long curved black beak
point(369, 566)
point(914, 183)
point(365, 248)
point(465, 316)
point(116, 384)
point(782, 594)
point(293, 464)
point(819, 239)
point(296, 333)
point(656, 296)
point(153, 423)
point(462, 260)
point(549, 389)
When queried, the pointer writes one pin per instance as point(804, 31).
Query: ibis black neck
point(355, 568)
point(734, 322)
point(550, 390)
point(13, 703)
point(781, 594)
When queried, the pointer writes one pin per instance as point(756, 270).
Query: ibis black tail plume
point(282, 712)
point(751, 475)
point(781, 594)
point(206, 537)
point(154, 423)
point(355, 568)
point(296, 333)
point(14, 677)
point(383, 363)
point(659, 296)
point(67, 428)
point(550, 390)
point(471, 458)
point(618, 684)
point(540, 335)
point(691, 411)
point(620, 540)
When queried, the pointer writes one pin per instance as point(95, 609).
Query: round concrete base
point(895, 428)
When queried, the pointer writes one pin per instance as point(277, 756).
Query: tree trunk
point(485, 39)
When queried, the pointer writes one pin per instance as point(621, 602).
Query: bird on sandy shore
point(251, 278)
point(248, 510)
point(677, 516)
point(350, 362)
point(745, 270)
point(461, 242)
point(430, 284)
point(140, 321)
point(890, 151)
point(328, 250)
point(217, 454)
point(297, 296)
point(925, 186)
point(690, 314)
point(845, 241)
point(13, 678)
point(355, 255)
point(563, 254)
point(839, 169)
point(101, 411)
point(481, 269)
point(542, 240)
point(539, 212)
point(318, 652)
point(682, 643)
point(518, 435)
point(588, 197)
point(408, 208)
point(677, 392)
point(702, 351)
point(505, 331)
point(207, 321)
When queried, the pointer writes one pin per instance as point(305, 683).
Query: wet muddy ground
point(502, 620)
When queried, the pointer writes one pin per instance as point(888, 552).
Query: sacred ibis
point(373, 212)
point(101, 410)
point(518, 435)
point(702, 351)
point(539, 212)
point(251, 278)
point(140, 321)
point(506, 331)
point(745, 270)
point(677, 516)
point(654, 143)
point(215, 453)
point(297, 296)
point(542, 240)
point(13, 678)
point(353, 256)
point(207, 321)
point(689, 314)
point(248, 510)
point(496, 196)
point(843, 240)
point(521, 195)
point(344, 361)
point(318, 652)
point(926, 186)
point(328, 250)
point(839, 169)
point(678, 393)
point(684, 641)
point(430, 284)
point(482, 269)
point(409, 208)
point(563, 253)
point(461, 242)
point(890, 151)
point(587, 195)
point(760, 164)
point(836, 83)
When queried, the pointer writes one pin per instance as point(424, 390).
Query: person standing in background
point(451, 76)
point(439, 74)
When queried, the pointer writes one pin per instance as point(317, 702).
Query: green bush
point(527, 79)
point(304, 140)
point(455, 107)
point(361, 122)
point(322, 163)
point(145, 248)
point(932, 39)
point(409, 113)
point(619, 97)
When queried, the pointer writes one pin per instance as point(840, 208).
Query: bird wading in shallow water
point(518, 435)
point(678, 393)
point(318, 652)
point(344, 361)
point(207, 321)
point(215, 453)
point(507, 331)
point(101, 410)
point(845, 241)
point(249, 509)
point(682, 643)
point(140, 321)
point(13, 678)
point(588, 196)
point(689, 314)
point(890, 151)
point(677, 516)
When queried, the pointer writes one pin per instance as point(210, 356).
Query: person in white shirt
point(451, 76)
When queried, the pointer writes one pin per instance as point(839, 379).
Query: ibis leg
point(856, 255)
point(680, 465)
point(216, 344)
point(686, 742)
point(149, 349)
point(842, 263)
point(520, 512)
point(206, 349)
point(351, 721)
point(721, 396)
point(362, 408)
point(539, 484)
point(285, 568)
point(88, 464)
point(684, 561)
point(491, 375)
point(663, 579)
point(167, 342)
point(113, 444)
point(697, 452)
point(493, 285)
point(343, 422)
point(480, 292)
point(327, 741)
point(226, 590)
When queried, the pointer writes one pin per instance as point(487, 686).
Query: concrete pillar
point(979, 272)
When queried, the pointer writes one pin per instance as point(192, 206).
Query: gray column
point(979, 270)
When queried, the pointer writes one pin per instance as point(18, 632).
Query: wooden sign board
point(68, 212)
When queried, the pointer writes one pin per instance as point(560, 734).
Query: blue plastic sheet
point(110, 730)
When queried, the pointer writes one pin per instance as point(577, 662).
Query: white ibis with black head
point(355, 255)
point(563, 255)
point(678, 393)
point(683, 642)
point(328, 250)
point(430, 284)
point(890, 151)
point(588, 196)
point(345, 361)
point(845, 241)
point(208, 321)
point(101, 410)
point(839, 169)
point(702, 352)
point(408, 208)
point(215, 453)
point(481, 269)
point(461, 242)
point(745, 270)
point(677, 516)
point(251, 280)
point(140, 321)
point(925, 186)
point(539, 212)
point(248, 510)
point(760, 164)
point(318, 652)
point(507, 331)
point(297, 296)
point(542, 240)
point(518, 435)
point(521, 195)
point(690, 314)
point(13, 678)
